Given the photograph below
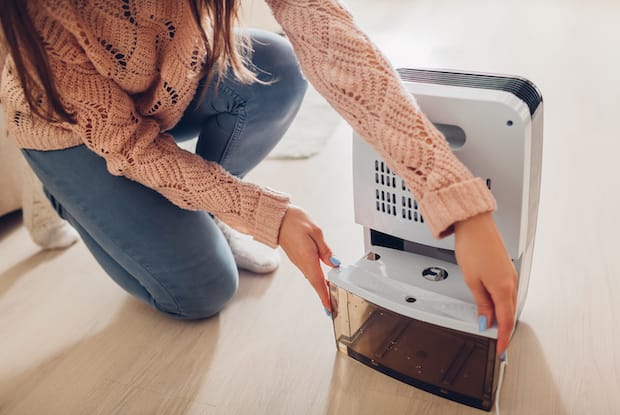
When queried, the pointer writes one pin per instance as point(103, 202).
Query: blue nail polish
point(502, 357)
point(327, 312)
point(335, 261)
point(482, 323)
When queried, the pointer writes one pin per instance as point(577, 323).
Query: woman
point(99, 91)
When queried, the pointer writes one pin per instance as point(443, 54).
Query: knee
point(204, 294)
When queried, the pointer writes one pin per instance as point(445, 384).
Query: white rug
point(315, 123)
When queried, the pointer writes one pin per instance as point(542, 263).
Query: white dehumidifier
point(403, 308)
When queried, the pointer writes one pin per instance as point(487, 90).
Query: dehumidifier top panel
point(519, 87)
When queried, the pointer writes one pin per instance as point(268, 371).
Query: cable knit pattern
point(129, 68)
point(346, 68)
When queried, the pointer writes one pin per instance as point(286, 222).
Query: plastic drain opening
point(435, 274)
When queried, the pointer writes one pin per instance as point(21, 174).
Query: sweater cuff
point(270, 211)
point(460, 201)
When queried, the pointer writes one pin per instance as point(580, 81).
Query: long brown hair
point(225, 51)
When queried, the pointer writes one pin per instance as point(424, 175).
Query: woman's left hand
point(489, 274)
point(303, 242)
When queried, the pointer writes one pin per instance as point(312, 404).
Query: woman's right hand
point(303, 243)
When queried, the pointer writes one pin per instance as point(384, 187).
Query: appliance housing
point(404, 308)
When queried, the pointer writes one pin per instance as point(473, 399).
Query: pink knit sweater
point(129, 68)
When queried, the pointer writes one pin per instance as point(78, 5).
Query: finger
point(505, 313)
point(484, 303)
point(505, 325)
point(515, 281)
point(325, 253)
point(317, 279)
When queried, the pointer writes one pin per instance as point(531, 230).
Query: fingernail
point(327, 312)
point(502, 356)
point(335, 261)
point(482, 323)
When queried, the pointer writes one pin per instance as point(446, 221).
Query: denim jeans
point(177, 260)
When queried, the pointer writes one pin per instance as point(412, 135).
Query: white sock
point(60, 236)
point(249, 254)
point(46, 228)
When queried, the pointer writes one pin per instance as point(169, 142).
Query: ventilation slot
point(386, 202)
point(392, 197)
point(384, 176)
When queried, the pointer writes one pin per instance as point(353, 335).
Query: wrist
point(476, 220)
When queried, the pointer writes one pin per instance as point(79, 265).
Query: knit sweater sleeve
point(358, 81)
point(133, 146)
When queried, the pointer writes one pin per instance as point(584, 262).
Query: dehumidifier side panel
point(534, 201)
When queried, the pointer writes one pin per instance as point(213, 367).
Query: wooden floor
point(71, 342)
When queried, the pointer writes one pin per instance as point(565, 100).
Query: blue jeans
point(177, 260)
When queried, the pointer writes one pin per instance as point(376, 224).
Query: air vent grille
point(392, 197)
